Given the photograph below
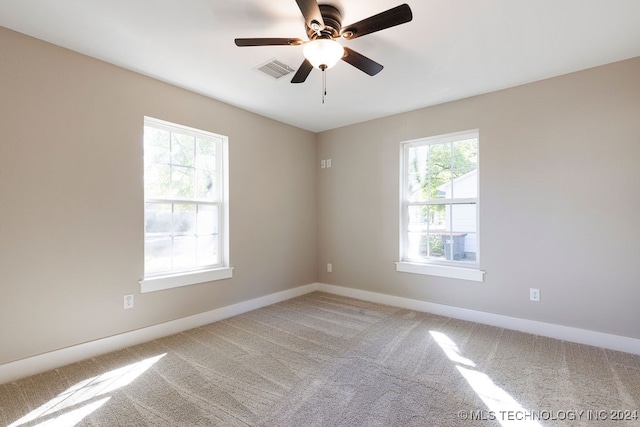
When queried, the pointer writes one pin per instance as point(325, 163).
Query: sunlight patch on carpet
point(498, 401)
point(58, 411)
point(450, 349)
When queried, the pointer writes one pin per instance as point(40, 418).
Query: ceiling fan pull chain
point(324, 85)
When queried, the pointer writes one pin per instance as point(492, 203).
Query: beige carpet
point(325, 360)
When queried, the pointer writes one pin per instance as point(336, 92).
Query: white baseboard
point(55, 359)
point(566, 333)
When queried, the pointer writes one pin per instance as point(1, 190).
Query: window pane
point(157, 180)
point(207, 220)
point(463, 238)
point(471, 247)
point(454, 246)
point(183, 150)
point(439, 171)
point(207, 250)
point(440, 156)
point(418, 225)
point(184, 219)
point(437, 228)
point(440, 184)
point(425, 218)
point(433, 168)
point(205, 154)
point(418, 219)
point(438, 218)
point(436, 244)
point(463, 218)
point(426, 245)
point(425, 227)
point(465, 156)
point(206, 185)
point(184, 252)
point(418, 158)
point(466, 186)
point(156, 146)
point(415, 248)
point(417, 188)
point(157, 254)
point(157, 218)
point(182, 181)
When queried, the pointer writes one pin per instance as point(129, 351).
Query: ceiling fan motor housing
point(332, 23)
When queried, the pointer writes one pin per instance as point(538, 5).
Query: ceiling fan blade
point(303, 72)
point(311, 12)
point(361, 62)
point(269, 42)
point(387, 19)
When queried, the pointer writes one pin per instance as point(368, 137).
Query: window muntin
point(184, 199)
point(439, 200)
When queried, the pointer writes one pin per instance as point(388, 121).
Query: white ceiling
point(451, 50)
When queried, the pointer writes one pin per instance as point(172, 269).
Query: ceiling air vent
point(275, 69)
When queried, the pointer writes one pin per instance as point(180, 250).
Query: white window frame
point(157, 282)
point(436, 267)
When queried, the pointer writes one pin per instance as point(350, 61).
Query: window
point(186, 208)
point(439, 206)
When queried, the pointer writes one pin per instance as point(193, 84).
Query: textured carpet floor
point(326, 360)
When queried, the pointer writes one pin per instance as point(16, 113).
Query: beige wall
point(559, 205)
point(559, 201)
point(71, 211)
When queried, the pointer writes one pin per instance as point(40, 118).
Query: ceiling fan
point(323, 27)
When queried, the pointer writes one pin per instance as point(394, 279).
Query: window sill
point(472, 274)
point(160, 283)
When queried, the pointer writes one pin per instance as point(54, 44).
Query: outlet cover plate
point(534, 294)
point(128, 301)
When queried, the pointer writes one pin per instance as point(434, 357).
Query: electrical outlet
point(328, 163)
point(128, 301)
point(534, 294)
point(329, 268)
point(323, 164)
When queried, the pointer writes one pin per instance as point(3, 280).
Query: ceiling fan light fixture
point(323, 53)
